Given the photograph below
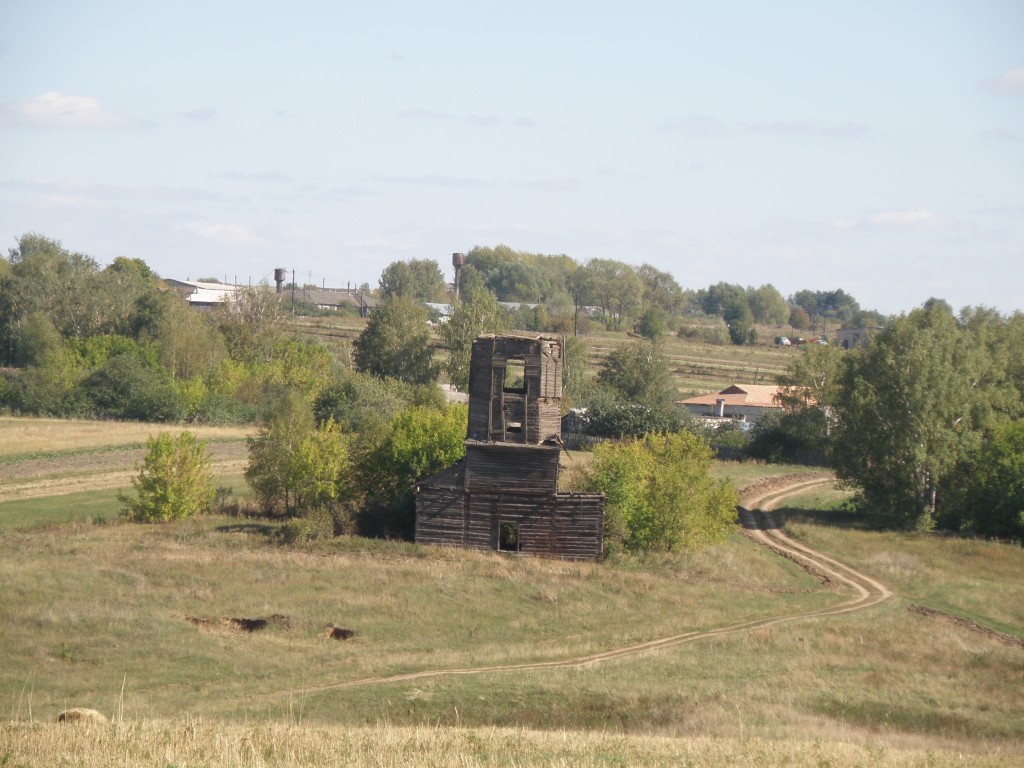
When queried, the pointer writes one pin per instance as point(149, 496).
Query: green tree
point(417, 443)
point(988, 488)
point(124, 387)
point(660, 495)
point(639, 371)
point(799, 320)
point(419, 279)
point(768, 305)
point(252, 322)
point(189, 345)
point(616, 288)
point(36, 340)
point(904, 416)
point(480, 315)
point(653, 323)
point(396, 342)
point(661, 290)
point(360, 402)
point(295, 464)
point(576, 381)
point(740, 319)
point(45, 278)
point(174, 482)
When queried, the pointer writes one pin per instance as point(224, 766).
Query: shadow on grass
point(840, 517)
point(256, 529)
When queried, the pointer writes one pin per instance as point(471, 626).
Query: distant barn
point(504, 495)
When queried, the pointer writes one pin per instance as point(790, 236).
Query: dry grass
point(204, 742)
point(98, 617)
point(19, 436)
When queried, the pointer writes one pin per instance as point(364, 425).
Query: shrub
point(126, 388)
point(417, 443)
point(660, 494)
point(295, 463)
point(175, 480)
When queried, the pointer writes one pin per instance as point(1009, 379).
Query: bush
point(418, 443)
point(175, 480)
point(295, 463)
point(660, 495)
point(126, 388)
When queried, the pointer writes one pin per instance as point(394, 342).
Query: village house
point(741, 402)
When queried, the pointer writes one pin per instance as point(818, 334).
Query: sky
point(876, 147)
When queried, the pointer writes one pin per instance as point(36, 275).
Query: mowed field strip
point(54, 457)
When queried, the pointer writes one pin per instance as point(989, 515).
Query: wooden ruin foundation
point(504, 494)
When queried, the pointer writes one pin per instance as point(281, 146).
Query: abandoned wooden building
point(504, 494)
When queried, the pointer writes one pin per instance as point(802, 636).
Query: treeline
point(81, 340)
point(924, 422)
point(337, 447)
point(567, 296)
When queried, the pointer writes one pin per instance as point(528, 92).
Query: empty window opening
point(515, 375)
point(508, 537)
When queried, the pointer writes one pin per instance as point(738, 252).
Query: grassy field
point(191, 742)
point(54, 470)
point(22, 438)
point(139, 622)
point(698, 367)
point(134, 621)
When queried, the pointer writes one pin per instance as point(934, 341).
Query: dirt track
point(867, 592)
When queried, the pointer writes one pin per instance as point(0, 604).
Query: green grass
point(744, 473)
point(88, 609)
point(94, 506)
point(970, 578)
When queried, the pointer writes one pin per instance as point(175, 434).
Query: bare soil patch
point(236, 624)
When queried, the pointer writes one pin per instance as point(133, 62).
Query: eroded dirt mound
point(277, 620)
point(973, 626)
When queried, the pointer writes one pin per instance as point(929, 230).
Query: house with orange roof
point(743, 402)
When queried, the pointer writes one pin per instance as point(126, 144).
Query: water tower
point(458, 261)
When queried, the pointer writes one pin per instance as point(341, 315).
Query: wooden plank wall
point(515, 467)
point(542, 363)
point(566, 526)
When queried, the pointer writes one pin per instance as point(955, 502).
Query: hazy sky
point(876, 147)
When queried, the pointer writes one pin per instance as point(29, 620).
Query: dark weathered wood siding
point(564, 525)
point(528, 414)
point(509, 478)
point(515, 467)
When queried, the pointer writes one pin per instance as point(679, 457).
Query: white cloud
point(479, 121)
point(273, 175)
point(452, 182)
point(1009, 83)
point(202, 115)
point(553, 185)
point(223, 232)
point(418, 113)
point(908, 217)
point(697, 126)
point(54, 108)
point(1002, 134)
point(800, 128)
